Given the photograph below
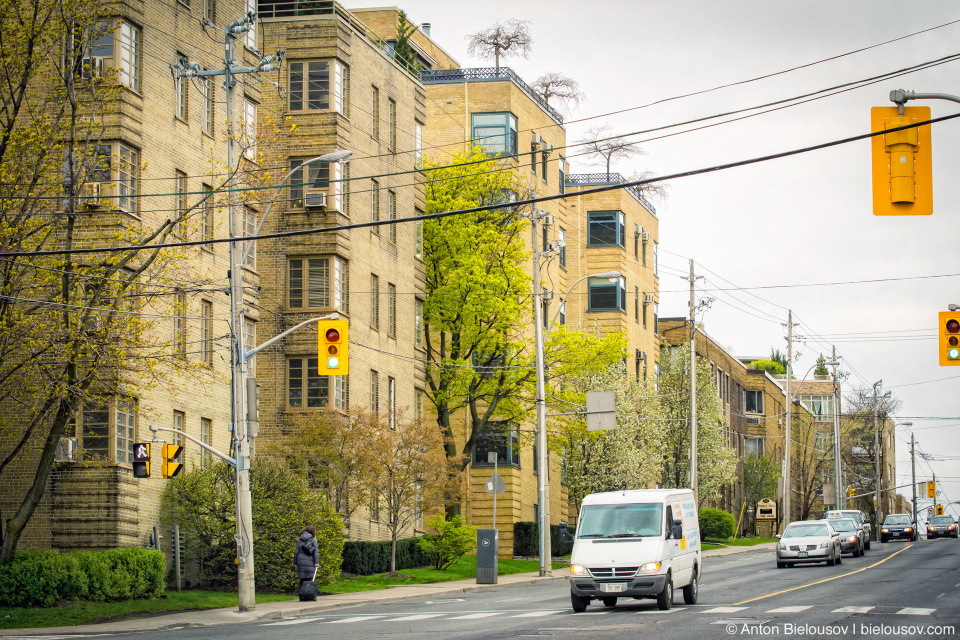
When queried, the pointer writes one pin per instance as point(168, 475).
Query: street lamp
point(540, 335)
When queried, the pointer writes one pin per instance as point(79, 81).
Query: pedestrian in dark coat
point(307, 557)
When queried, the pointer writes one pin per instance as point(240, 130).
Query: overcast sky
point(804, 220)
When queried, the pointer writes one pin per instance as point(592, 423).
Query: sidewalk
point(293, 608)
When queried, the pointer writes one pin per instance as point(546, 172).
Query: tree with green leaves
point(760, 475)
point(770, 366)
point(821, 368)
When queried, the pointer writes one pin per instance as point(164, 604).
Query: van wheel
point(579, 603)
point(781, 565)
point(609, 602)
point(691, 591)
point(665, 597)
point(866, 545)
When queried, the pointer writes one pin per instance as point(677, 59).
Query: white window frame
point(332, 99)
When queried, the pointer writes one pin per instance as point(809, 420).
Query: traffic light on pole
point(141, 460)
point(931, 489)
point(171, 465)
point(939, 509)
point(949, 338)
point(902, 163)
point(332, 348)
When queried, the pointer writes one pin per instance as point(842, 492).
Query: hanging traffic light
point(939, 510)
point(931, 489)
point(171, 465)
point(902, 162)
point(332, 348)
point(949, 338)
point(141, 460)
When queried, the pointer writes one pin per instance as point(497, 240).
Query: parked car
point(898, 526)
point(851, 535)
point(809, 541)
point(859, 518)
point(942, 527)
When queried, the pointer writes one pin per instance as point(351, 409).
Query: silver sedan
point(809, 541)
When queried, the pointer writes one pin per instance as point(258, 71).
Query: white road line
point(536, 614)
point(915, 611)
point(354, 619)
point(853, 609)
point(655, 611)
point(293, 621)
point(724, 610)
point(941, 595)
point(593, 613)
point(474, 616)
point(791, 609)
point(419, 616)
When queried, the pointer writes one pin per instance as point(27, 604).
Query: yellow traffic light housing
point(332, 348)
point(949, 338)
point(931, 489)
point(171, 464)
point(902, 162)
point(939, 510)
point(141, 460)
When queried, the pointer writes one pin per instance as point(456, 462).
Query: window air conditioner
point(648, 298)
point(642, 356)
point(92, 67)
point(646, 236)
point(315, 199)
point(753, 420)
point(90, 194)
point(536, 139)
point(637, 230)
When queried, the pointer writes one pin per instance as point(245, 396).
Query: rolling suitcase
point(308, 590)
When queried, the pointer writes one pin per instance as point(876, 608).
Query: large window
point(753, 401)
point(391, 310)
point(311, 281)
point(341, 392)
point(375, 112)
point(374, 302)
point(180, 183)
point(820, 406)
point(607, 295)
point(306, 388)
point(130, 56)
point(418, 324)
point(206, 437)
point(374, 391)
point(562, 243)
point(392, 213)
point(209, 108)
point(114, 167)
point(502, 437)
point(182, 90)
point(392, 125)
point(317, 85)
point(418, 144)
point(116, 47)
point(752, 446)
point(206, 332)
point(107, 430)
point(249, 129)
point(180, 325)
point(320, 176)
point(495, 132)
point(607, 229)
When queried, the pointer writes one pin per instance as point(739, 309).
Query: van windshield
point(620, 520)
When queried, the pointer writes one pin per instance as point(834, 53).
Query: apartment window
point(418, 239)
point(543, 165)
point(644, 315)
point(820, 406)
point(501, 437)
point(392, 123)
point(562, 243)
point(130, 56)
point(753, 401)
point(180, 325)
point(251, 37)
point(182, 206)
point(374, 302)
point(636, 304)
point(418, 144)
point(392, 212)
point(375, 205)
point(249, 342)
point(752, 446)
point(182, 90)
point(562, 317)
point(209, 11)
point(206, 437)
point(636, 244)
point(115, 167)
point(374, 391)
point(126, 430)
point(418, 324)
point(496, 133)
point(392, 310)
point(392, 402)
point(107, 430)
point(341, 392)
point(656, 319)
point(544, 238)
point(533, 159)
point(310, 283)
point(545, 312)
point(562, 164)
point(209, 102)
point(320, 176)
point(606, 229)
point(249, 129)
point(249, 230)
point(206, 332)
point(126, 57)
point(179, 423)
point(375, 112)
point(638, 361)
point(656, 259)
point(604, 295)
point(375, 507)
point(344, 186)
point(306, 388)
point(311, 89)
point(207, 210)
point(643, 253)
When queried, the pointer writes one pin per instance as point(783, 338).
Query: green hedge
point(367, 558)
point(40, 578)
point(716, 524)
point(526, 540)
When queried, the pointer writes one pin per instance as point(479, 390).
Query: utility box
point(488, 542)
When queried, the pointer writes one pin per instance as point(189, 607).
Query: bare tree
point(563, 89)
point(600, 141)
point(656, 191)
point(503, 38)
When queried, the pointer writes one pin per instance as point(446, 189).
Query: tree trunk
point(393, 552)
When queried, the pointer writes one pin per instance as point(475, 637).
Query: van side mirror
point(565, 533)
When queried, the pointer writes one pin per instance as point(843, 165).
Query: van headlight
point(649, 567)
point(579, 570)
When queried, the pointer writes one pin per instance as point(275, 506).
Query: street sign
point(495, 484)
point(929, 512)
point(766, 509)
point(601, 410)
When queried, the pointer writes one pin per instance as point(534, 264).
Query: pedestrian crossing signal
point(141, 460)
point(171, 464)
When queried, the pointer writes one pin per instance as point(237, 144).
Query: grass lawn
point(92, 612)
point(735, 542)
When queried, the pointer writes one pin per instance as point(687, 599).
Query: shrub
point(367, 558)
point(526, 540)
point(452, 540)
point(716, 524)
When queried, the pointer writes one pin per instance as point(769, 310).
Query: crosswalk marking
point(656, 611)
point(293, 621)
point(354, 619)
point(536, 614)
point(915, 611)
point(724, 610)
point(793, 609)
point(593, 613)
point(853, 609)
point(420, 616)
point(474, 616)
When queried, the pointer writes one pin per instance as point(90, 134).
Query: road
point(896, 590)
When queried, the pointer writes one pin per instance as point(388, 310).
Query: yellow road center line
point(804, 586)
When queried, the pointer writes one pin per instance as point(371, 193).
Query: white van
point(635, 544)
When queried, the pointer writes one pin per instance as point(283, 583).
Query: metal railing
point(488, 74)
point(584, 179)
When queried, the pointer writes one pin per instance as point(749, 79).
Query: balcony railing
point(455, 76)
point(596, 179)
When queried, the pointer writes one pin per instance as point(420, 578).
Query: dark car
point(898, 526)
point(942, 527)
point(857, 516)
point(851, 535)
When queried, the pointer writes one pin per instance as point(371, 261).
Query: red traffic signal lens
point(953, 325)
point(333, 335)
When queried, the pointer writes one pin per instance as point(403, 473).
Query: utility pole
point(693, 387)
point(913, 474)
point(876, 452)
point(787, 484)
point(543, 493)
point(243, 436)
point(836, 433)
